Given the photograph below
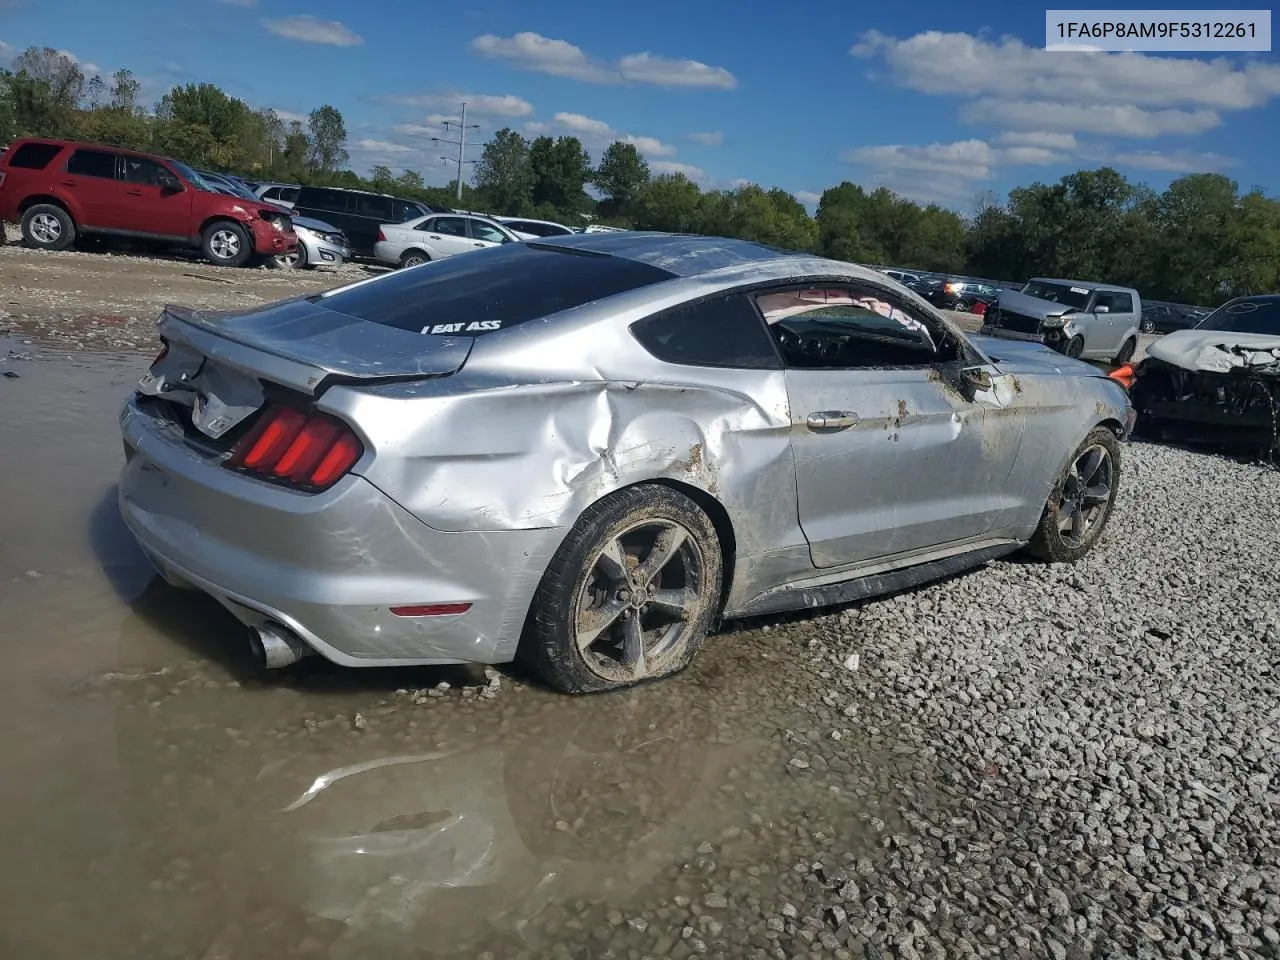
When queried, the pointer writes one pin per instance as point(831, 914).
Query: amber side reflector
point(1123, 375)
point(431, 609)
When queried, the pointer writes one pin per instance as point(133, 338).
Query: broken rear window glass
point(1246, 316)
point(476, 293)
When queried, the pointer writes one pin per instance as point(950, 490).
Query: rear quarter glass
point(32, 156)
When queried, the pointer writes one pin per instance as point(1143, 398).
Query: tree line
point(1200, 241)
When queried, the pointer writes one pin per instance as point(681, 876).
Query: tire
point(226, 244)
point(1074, 347)
point(1050, 542)
point(296, 262)
point(413, 258)
point(961, 306)
point(46, 226)
point(1148, 326)
point(1126, 353)
point(601, 567)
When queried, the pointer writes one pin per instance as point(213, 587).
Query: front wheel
point(630, 594)
point(961, 306)
point(290, 261)
point(1081, 501)
point(1148, 326)
point(226, 244)
point(1074, 347)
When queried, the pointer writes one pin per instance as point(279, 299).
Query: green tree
point(201, 123)
point(8, 122)
point(120, 128)
point(670, 202)
point(561, 171)
point(410, 182)
point(294, 152)
point(842, 227)
point(504, 174)
point(328, 138)
point(124, 91)
point(95, 93)
point(45, 88)
point(622, 177)
point(383, 179)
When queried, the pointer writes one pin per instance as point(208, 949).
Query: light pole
point(463, 127)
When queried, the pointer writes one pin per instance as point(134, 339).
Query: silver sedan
point(586, 451)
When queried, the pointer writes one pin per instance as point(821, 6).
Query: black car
point(357, 213)
point(1159, 317)
point(959, 295)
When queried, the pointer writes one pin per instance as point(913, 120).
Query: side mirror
point(975, 380)
point(1102, 308)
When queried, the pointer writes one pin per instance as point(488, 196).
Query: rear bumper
point(328, 566)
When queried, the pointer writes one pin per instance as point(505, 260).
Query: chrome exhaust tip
point(274, 646)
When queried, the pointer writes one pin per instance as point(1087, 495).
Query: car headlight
point(337, 239)
point(1052, 323)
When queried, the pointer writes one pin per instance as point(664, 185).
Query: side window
point(402, 210)
point(1104, 303)
point(34, 156)
point(288, 194)
point(1122, 303)
point(484, 231)
point(449, 226)
point(92, 163)
point(376, 208)
point(141, 170)
point(724, 331)
point(271, 194)
point(851, 328)
point(332, 200)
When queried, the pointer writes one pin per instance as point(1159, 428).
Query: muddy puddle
point(158, 798)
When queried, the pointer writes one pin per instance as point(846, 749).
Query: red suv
point(59, 190)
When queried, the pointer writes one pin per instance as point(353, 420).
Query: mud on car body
point(1218, 382)
point(585, 451)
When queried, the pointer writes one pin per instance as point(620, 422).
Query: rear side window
point(491, 289)
point(378, 208)
point(33, 156)
point(92, 163)
point(720, 332)
point(323, 199)
point(402, 210)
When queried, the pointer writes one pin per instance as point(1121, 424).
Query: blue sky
point(938, 101)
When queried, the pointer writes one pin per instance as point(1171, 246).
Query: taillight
point(382, 237)
point(303, 449)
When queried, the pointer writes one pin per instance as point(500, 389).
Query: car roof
point(1087, 284)
point(687, 255)
point(367, 193)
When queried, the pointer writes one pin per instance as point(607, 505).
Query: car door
point(447, 236)
point(1124, 317)
point(157, 201)
point(894, 455)
point(1104, 329)
point(91, 179)
point(485, 234)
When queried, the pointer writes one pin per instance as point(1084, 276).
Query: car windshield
point(491, 289)
point(1245, 316)
point(1075, 297)
point(193, 178)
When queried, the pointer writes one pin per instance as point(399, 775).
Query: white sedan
point(436, 237)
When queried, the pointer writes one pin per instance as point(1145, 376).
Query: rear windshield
point(476, 293)
point(1245, 316)
point(34, 156)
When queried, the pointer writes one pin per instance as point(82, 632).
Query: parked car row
point(60, 190)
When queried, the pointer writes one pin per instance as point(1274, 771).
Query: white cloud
point(1176, 161)
point(288, 116)
point(537, 128)
point(1109, 119)
point(383, 146)
point(696, 174)
point(675, 74)
point(560, 58)
point(711, 138)
point(1038, 138)
point(90, 69)
point(598, 134)
point(311, 29)
point(478, 104)
point(807, 197)
point(418, 130)
point(1014, 86)
point(737, 183)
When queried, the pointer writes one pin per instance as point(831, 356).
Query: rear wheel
point(1081, 501)
point(630, 594)
point(1126, 352)
point(47, 227)
point(226, 244)
point(1075, 346)
point(961, 306)
point(413, 258)
point(1148, 326)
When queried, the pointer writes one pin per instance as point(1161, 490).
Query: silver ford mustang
point(585, 451)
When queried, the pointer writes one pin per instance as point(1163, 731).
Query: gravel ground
point(1026, 761)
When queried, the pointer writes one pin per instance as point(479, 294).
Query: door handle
point(69, 183)
point(435, 236)
point(831, 420)
point(478, 244)
point(134, 193)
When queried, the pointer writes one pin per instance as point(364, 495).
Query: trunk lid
point(222, 364)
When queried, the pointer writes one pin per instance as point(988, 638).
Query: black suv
point(357, 213)
point(959, 294)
